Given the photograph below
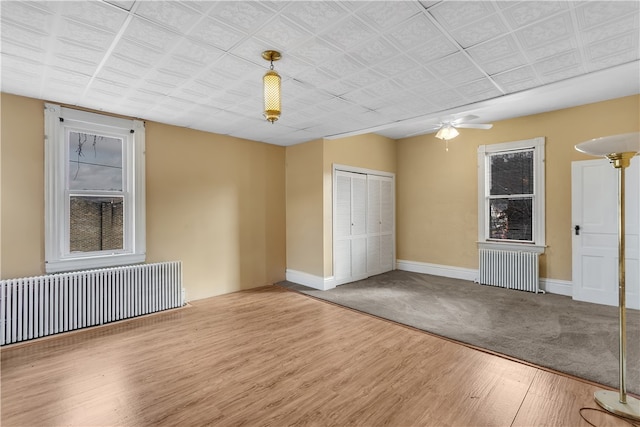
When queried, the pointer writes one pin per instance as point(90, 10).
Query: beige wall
point(22, 186)
point(304, 208)
point(437, 190)
point(214, 202)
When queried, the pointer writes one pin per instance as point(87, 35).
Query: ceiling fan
point(448, 129)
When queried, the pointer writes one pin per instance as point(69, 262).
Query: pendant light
point(271, 82)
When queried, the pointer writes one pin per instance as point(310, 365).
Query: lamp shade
point(606, 145)
point(447, 132)
point(271, 96)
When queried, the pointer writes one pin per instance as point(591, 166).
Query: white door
point(350, 232)
point(595, 243)
point(380, 224)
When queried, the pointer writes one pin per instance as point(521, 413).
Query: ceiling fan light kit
point(447, 133)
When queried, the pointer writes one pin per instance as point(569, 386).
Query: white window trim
point(57, 258)
point(538, 244)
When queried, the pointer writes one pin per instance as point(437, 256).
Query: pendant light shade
point(271, 82)
point(447, 132)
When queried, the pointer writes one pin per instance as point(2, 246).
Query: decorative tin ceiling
point(348, 67)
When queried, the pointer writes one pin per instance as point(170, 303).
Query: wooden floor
point(274, 357)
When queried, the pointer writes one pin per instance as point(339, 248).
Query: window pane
point(95, 162)
point(512, 173)
point(511, 219)
point(95, 224)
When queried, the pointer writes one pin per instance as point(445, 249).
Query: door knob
point(577, 229)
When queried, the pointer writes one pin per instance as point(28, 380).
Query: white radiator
point(509, 269)
point(39, 306)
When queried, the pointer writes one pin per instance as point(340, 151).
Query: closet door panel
point(359, 205)
point(342, 259)
point(373, 254)
point(386, 206)
point(359, 257)
point(342, 220)
point(386, 252)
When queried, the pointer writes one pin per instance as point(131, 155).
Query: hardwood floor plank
point(273, 357)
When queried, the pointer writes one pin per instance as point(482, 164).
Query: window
point(511, 195)
point(94, 190)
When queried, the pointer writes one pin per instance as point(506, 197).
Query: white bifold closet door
point(363, 226)
point(351, 226)
point(379, 224)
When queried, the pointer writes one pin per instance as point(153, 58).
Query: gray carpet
point(548, 330)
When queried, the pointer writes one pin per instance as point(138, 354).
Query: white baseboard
point(438, 270)
point(552, 286)
point(310, 280)
point(559, 287)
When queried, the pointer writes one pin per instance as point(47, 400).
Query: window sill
point(75, 264)
point(518, 247)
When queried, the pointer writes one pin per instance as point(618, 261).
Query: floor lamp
point(619, 149)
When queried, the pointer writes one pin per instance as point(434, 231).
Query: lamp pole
point(619, 149)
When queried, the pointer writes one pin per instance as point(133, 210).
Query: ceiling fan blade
point(463, 119)
point(474, 126)
point(423, 131)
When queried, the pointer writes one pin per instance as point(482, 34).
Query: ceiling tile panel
point(567, 60)
point(384, 15)
point(348, 33)
point(19, 65)
point(117, 77)
point(137, 52)
point(479, 89)
point(171, 14)
point(485, 29)
point(342, 66)
point(247, 15)
point(501, 47)
point(594, 13)
point(18, 36)
point(434, 49)
point(27, 16)
point(414, 77)
point(282, 33)
point(109, 87)
point(364, 78)
point(178, 66)
point(147, 33)
point(314, 15)
point(608, 30)
point(612, 60)
point(131, 70)
point(215, 33)
point(563, 74)
point(552, 49)
point(457, 14)
point(71, 31)
point(519, 14)
point(452, 64)
point(445, 99)
point(418, 30)
point(315, 51)
point(374, 51)
point(547, 31)
point(197, 53)
point(396, 65)
point(74, 50)
point(73, 64)
point(625, 46)
point(93, 13)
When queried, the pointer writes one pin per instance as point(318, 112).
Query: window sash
point(485, 155)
